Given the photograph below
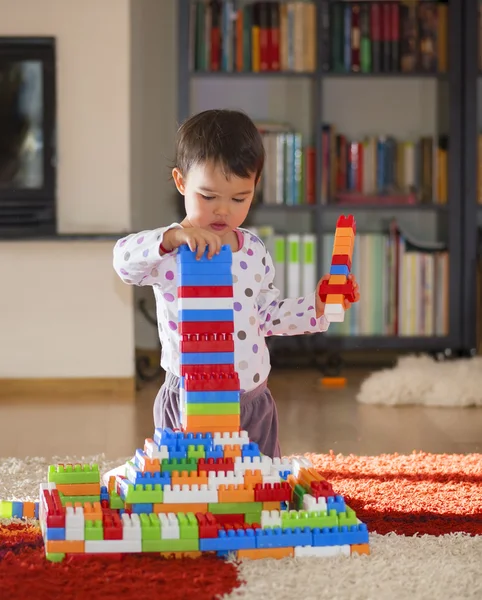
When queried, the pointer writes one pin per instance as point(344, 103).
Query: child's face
point(212, 201)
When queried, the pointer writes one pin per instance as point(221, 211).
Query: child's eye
point(239, 199)
point(207, 197)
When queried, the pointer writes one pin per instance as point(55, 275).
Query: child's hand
point(195, 237)
point(320, 306)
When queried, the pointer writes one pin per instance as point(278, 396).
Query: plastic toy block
point(205, 315)
point(70, 474)
point(230, 540)
point(79, 489)
point(220, 408)
point(29, 510)
point(345, 290)
point(339, 270)
point(189, 494)
point(195, 452)
point(188, 526)
point(92, 511)
point(170, 465)
point(250, 450)
point(191, 423)
point(204, 270)
point(223, 280)
point(333, 382)
point(283, 538)
point(207, 342)
point(236, 493)
point(139, 493)
point(360, 549)
point(348, 221)
point(186, 256)
point(300, 518)
point(341, 259)
point(190, 398)
point(194, 327)
point(178, 439)
point(180, 508)
point(65, 547)
point(55, 533)
point(205, 291)
point(6, 509)
point(321, 551)
point(232, 451)
point(211, 382)
point(189, 478)
point(267, 492)
point(207, 358)
point(231, 519)
point(170, 526)
point(207, 525)
point(150, 527)
point(205, 303)
point(238, 508)
point(94, 530)
point(260, 553)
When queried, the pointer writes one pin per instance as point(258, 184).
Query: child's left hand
point(320, 306)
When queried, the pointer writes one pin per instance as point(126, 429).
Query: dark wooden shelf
point(260, 74)
point(383, 75)
point(390, 207)
point(286, 207)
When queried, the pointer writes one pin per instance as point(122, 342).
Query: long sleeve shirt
point(259, 311)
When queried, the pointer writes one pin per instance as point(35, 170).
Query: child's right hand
point(196, 238)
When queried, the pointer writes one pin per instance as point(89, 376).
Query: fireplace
point(27, 137)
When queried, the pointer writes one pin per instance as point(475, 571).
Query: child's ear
point(178, 180)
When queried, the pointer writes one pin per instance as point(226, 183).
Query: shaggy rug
point(424, 512)
point(423, 380)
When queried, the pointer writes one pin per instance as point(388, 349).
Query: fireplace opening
point(27, 137)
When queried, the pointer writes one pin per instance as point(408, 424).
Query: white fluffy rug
point(422, 380)
point(400, 568)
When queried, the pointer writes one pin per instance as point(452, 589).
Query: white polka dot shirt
point(258, 310)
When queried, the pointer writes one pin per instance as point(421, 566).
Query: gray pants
point(259, 416)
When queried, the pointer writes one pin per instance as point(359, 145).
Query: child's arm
point(138, 259)
point(289, 316)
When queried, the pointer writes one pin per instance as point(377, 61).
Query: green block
point(6, 509)
point(170, 545)
point(150, 527)
point(303, 518)
point(94, 530)
point(144, 493)
point(196, 452)
point(56, 557)
point(65, 474)
point(298, 494)
point(235, 508)
point(251, 518)
point(82, 499)
point(116, 501)
point(188, 526)
point(347, 518)
point(168, 465)
point(220, 408)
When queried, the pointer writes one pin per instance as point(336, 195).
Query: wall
point(62, 312)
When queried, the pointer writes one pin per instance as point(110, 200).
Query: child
point(219, 160)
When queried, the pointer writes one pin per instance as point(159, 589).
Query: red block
point(191, 327)
point(337, 288)
point(112, 524)
point(207, 342)
point(236, 520)
point(321, 489)
point(210, 380)
point(272, 492)
point(348, 221)
point(208, 526)
point(215, 464)
point(53, 508)
point(205, 291)
point(341, 259)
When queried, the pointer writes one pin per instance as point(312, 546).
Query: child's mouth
point(218, 226)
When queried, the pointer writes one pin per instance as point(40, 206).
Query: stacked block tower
point(206, 488)
point(337, 288)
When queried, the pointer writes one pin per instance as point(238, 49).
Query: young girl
point(219, 160)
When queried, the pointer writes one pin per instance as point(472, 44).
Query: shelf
point(382, 342)
point(261, 74)
point(390, 207)
point(333, 74)
point(286, 207)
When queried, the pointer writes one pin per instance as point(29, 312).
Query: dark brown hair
point(228, 138)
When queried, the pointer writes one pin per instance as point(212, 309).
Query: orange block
point(253, 477)
point(335, 299)
point(189, 478)
point(360, 549)
point(79, 489)
point(28, 510)
point(344, 232)
point(256, 553)
point(179, 508)
point(271, 505)
point(232, 451)
point(210, 429)
point(92, 512)
point(151, 465)
point(338, 279)
point(65, 546)
point(111, 486)
point(213, 421)
point(235, 493)
point(343, 248)
point(333, 382)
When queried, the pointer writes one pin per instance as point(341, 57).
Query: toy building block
point(334, 291)
point(206, 488)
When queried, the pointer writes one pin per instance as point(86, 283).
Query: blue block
point(284, 474)
point(136, 476)
point(339, 270)
point(196, 315)
point(340, 536)
point(177, 452)
point(326, 536)
point(17, 509)
point(211, 397)
point(178, 439)
point(55, 533)
point(250, 450)
point(216, 452)
point(229, 540)
point(104, 493)
point(36, 509)
point(207, 358)
point(143, 508)
point(336, 503)
point(283, 538)
point(206, 268)
point(211, 280)
point(186, 256)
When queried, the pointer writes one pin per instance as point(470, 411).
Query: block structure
point(206, 488)
point(338, 288)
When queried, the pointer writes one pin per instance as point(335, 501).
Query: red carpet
point(420, 493)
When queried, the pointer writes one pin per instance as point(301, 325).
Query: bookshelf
point(374, 103)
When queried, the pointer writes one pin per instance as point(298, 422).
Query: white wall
point(62, 312)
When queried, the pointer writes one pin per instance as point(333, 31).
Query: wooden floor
point(312, 419)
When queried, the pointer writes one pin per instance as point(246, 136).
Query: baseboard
point(122, 388)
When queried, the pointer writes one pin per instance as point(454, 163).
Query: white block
point(334, 313)
point(257, 463)
point(131, 527)
point(169, 526)
point(272, 478)
point(270, 518)
point(74, 523)
point(205, 303)
point(300, 462)
point(112, 546)
point(217, 478)
point(231, 439)
point(312, 504)
point(280, 465)
point(186, 494)
point(322, 551)
point(154, 451)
